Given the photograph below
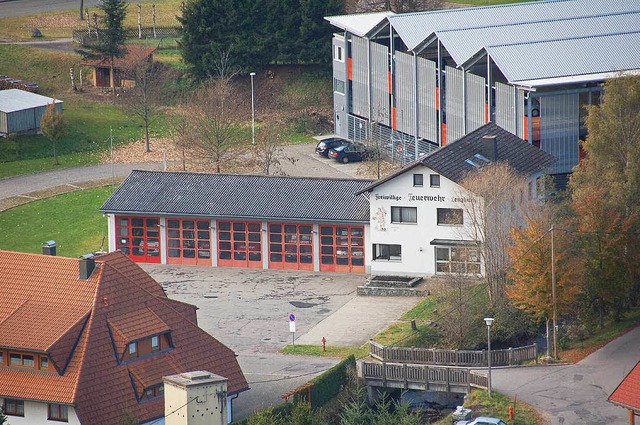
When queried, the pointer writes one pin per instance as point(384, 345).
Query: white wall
point(418, 256)
point(35, 413)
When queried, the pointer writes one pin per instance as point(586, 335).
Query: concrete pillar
point(195, 398)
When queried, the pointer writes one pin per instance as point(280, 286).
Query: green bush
point(328, 385)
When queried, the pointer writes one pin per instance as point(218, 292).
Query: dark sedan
point(348, 153)
point(324, 145)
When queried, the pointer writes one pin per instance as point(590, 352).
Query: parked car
point(322, 148)
point(481, 421)
point(349, 153)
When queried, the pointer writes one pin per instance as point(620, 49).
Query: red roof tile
point(74, 320)
point(628, 392)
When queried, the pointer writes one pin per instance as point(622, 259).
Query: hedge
point(328, 385)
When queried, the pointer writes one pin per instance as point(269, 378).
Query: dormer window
point(21, 360)
point(44, 362)
point(133, 350)
point(155, 343)
point(153, 392)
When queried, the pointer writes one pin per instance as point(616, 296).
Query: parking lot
point(248, 310)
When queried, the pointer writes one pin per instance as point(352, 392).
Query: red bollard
point(324, 344)
point(511, 413)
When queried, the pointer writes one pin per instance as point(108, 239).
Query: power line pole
point(553, 295)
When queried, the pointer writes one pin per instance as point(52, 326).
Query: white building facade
point(28, 412)
point(419, 226)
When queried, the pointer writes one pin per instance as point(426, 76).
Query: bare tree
point(178, 132)
point(267, 152)
point(144, 98)
point(54, 127)
point(215, 112)
point(494, 202)
point(397, 6)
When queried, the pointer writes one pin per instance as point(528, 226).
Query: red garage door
point(188, 241)
point(239, 244)
point(290, 246)
point(139, 238)
point(342, 248)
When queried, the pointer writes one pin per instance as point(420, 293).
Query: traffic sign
point(292, 317)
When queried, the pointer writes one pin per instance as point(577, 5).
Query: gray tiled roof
point(450, 160)
point(240, 196)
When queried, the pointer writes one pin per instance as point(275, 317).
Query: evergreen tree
point(112, 35)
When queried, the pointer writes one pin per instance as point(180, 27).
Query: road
point(576, 394)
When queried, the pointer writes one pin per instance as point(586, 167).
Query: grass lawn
point(62, 23)
point(89, 122)
point(71, 219)
point(332, 351)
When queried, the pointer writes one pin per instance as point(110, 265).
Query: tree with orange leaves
point(530, 272)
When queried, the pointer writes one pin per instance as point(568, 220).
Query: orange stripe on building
point(393, 118)
point(444, 134)
point(486, 113)
point(389, 82)
point(350, 68)
point(437, 98)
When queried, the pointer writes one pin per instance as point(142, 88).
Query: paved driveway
point(248, 310)
point(576, 394)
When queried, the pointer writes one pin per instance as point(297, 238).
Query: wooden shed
point(22, 111)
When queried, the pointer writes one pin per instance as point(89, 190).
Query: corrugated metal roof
point(570, 57)
point(463, 44)
point(414, 28)
point(18, 100)
point(360, 24)
point(241, 196)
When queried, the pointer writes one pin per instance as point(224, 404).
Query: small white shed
point(22, 110)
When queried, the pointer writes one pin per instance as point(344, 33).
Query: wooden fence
point(463, 358)
point(420, 377)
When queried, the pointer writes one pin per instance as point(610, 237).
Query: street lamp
point(253, 113)
point(489, 322)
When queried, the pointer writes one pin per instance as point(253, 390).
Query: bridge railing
point(463, 358)
point(419, 375)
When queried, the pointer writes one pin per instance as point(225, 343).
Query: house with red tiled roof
point(87, 341)
point(627, 394)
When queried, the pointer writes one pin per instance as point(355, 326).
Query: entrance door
point(342, 248)
point(290, 246)
point(139, 238)
point(338, 124)
point(239, 244)
point(188, 242)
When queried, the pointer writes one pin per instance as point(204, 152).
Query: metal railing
point(464, 358)
point(420, 377)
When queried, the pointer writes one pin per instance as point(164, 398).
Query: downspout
point(416, 114)
point(464, 100)
point(369, 81)
point(439, 94)
point(230, 407)
point(489, 90)
point(391, 70)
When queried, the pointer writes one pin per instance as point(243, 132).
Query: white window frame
point(402, 217)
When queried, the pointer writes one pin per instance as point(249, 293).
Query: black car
point(324, 145)
point(349, 153)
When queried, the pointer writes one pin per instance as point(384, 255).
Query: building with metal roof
point(22, 110)
point(415, 81)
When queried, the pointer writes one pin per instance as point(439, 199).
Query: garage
point(224, 220)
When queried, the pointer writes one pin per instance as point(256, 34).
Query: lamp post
point(253, 113)
point(489, 322)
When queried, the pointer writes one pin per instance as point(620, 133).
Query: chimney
point(87, 264)
point(208, 392)
point(49, 248)
point(490, 147)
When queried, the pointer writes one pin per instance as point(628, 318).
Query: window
point(24, 360)
point(387, 252)
point(13, 407)
point(58, 412)
point(450, 216)
point(418, 180)
point(1, 358)
point(338, 54)
point(434, 180)
point(154, 391)
point(155, 343)
point(404, 215)
point(133, 350)
point(456, 259)
point(44, 362)
point(338, 86)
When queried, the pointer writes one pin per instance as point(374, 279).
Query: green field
point(72, 220)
